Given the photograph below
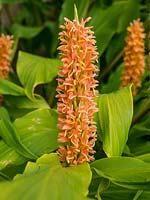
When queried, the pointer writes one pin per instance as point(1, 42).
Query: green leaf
point(115, 47)
point(24, 102)
point(113, 82)
point(139, 146)
point(25, 32)
point(54, 29)
point(124, 171)
point(8, 156)
point(10, 88)
point(47, 179)
point(105, 23)
point(38, 131)
point(138, 141)
point(140, 129)
point(138, 194)
point(68, 9)
point(114, 119)
point(118, 193)
point(129, 12)
point(103, 185)
point(144, 157)
point(33, 70)
point(11, 136)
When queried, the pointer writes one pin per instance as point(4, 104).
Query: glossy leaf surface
point(11, 137)
point(47, 179)
point(9, 88)
point(106, 25)
point(25, 32)
point(124, 171)
point(33, 70)
point(28, 137)
point(38, 130)
point(114, 120)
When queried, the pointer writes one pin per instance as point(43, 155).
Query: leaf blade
point(33, 70)
point(114, 119)
point(44, 180)
point(124, 171)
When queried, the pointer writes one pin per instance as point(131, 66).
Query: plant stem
point(6, 8)
point(138, 194)
point(141, 112)
point(109, 67)
point(36, 14)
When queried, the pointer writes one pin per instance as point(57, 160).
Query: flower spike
point(134, 60)
point(5, 51)
point(76, 92)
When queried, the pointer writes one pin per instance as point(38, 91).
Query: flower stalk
point(76, 92)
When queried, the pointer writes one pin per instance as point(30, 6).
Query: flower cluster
point(76, 92)
point(134, 60)
point(5, 51)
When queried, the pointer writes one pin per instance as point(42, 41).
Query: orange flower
point(134, 60)
point(76, 90)
point(5, 51)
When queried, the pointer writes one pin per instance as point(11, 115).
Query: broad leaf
point(33, 70)
point(26, 32)
point(124, 171)
point(114, 119)
point(129, 12)
point(138, 141)
point(30, 136)
point(54, 29)
point(105, 23)
point(8, 156)
point(47, 179)
point(118, 193)
point(140, 129)
point(24, 102)
point(115, 47)
point(38, 131)
point(144, 157)
point(139, 146)
point(11, 137)
point(10, 88)
point(68, 9)
point(113, 82)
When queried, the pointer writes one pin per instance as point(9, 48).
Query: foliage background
point(28, 125)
